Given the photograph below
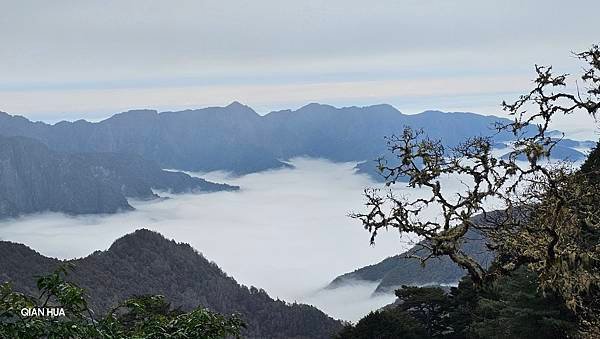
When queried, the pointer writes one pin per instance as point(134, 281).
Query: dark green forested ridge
point(34, 178)
point(146, 263)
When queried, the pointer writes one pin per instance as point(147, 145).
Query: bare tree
point(548, 211)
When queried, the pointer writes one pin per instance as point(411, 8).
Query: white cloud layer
point(286, 231)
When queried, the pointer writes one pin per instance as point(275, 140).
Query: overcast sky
point(88, 59)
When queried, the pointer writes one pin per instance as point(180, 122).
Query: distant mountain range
point(237, 139)
point(34, 178)
point(402, 269)
point(88, 167)
point(144, 262)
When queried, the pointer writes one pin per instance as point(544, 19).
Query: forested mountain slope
point(144, 262)
point(34, 178)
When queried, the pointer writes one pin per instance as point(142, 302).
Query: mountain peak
point(142, 233)
point(316, 105)
point(382, 107)
point(237, 104)
point(145, 262)
point(240, 108)
point(135, 114)
point(141, 237)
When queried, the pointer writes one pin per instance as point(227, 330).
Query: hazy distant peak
point(135, 114)
point(432, 111)
point(76, 122)
point(14, 117)
point(237, 109)
point(378, 108)
point(237, 104)
point(316, 106)
point(383, 107)
point(439, 113)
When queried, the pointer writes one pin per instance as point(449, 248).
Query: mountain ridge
point(35, 179)
point(145, 262)
point(404, 269)
point(237, 139)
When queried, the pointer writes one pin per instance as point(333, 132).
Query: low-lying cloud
point(350, 301)
point(286, 231)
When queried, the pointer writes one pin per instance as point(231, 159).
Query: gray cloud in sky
point(119, 54)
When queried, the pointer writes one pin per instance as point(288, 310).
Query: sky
point(89, 59)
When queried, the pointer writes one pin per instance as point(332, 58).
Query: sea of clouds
point(286, 231)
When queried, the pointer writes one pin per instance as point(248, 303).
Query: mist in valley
point(286, 231)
